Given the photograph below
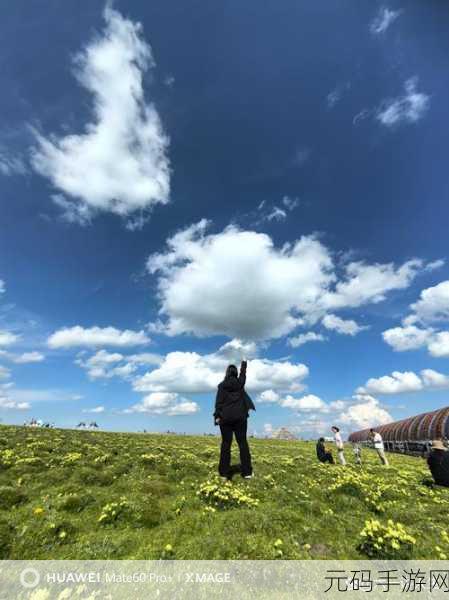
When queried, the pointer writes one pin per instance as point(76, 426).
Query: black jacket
point(321, 450)
point(232, 402)
point(438, 462)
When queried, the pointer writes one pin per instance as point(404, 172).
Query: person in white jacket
point(339, 444)
point(378, 444)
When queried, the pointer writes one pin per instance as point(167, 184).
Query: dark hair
point(335, 427)
point(231, 371)
point(371, 430)
point(321, 440)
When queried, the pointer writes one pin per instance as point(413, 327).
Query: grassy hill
point(96, 495)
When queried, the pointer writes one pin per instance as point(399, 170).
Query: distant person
point(378, 444)
point(438, 462)
point(232, 406)
point(323, 454)
point(357, 453)
point(339, 444)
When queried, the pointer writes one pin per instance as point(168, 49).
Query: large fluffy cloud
point(432, 307)
point(433, 303)
point(119, 163)
point(162, 403)
point(190, 372)
point(400, 382)
point(365, 411)
point(237, 283)
point(70, 337)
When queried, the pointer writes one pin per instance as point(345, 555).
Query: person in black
point(322, 453)
point(438, 461)
point(232, 406)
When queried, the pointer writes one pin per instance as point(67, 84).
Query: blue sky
point(183, 186)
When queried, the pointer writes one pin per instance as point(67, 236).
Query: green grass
point(95, 495)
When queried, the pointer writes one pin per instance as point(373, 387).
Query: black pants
point(227, 429)
point(327, 458)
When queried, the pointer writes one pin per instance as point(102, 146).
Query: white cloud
point(269, 397)
point(190, 372)
point(95, 410)
point(306, 403)
point(290, 203)
point(274, 289)
point(438, 345)
point(408, 108)
point(268, 429)
point(119, 163)
point(398, 383)
point(70, 337)
point(365, 412)
point(105, 365)
point(336, 94)
point(8, 403)
point(2, 286)
point(343, 326)
point(7, 338)
point(407, 338)
point(277, 214)
point(436, 264)
point(304, 338)
point(433, 303)
point(433, 379)
point(384, 18)
point(162, 403)
point(370, 283)
point(432, 307)
point(29, 357)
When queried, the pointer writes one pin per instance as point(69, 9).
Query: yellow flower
point(38, 511)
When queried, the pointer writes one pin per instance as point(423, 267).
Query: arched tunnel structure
point(411, 435)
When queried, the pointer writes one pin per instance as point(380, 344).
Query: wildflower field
point(94, 495)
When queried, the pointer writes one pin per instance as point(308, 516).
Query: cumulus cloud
point(8, 403)
point(70, 337)
point(415, 332)
point(2, 286)
point(343, 326)
point(119, 162)
point(408, 381)
point(396, 383)
point(364, 412)
point(407, 338)
point(305, 404)
point(382, 21)
point(105, 365)
point(304, 338)
point(408, 108)
point(275, 289)
point(29, 357)
point(269, 397)
point(433, 303)
point(365, 283)
point(190, 372)
point(7, 338)
point(162, 403)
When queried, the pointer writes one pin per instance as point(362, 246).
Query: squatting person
point(232, 406)
point(438, 462)
point(323, 454)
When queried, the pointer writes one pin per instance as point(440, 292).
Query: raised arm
point(242, 376)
